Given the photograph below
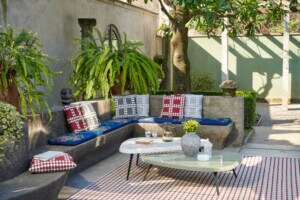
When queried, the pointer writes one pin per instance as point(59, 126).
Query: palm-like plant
point(23, 65)
point(98, 68)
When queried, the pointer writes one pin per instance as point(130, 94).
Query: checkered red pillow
point(173, 106)
point(74, 118)
point(58, 164)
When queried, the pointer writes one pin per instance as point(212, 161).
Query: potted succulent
point(190, 142)
point(229, 88)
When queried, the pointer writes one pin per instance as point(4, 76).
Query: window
point(112, 35)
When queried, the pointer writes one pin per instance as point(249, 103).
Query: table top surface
point(220, 161)
point(158, 146)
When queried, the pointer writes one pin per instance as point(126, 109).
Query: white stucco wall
point(56, 22)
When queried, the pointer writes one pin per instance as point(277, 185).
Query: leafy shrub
point(202, 81)
point(10, 126)
point(208, 92)
point(250, 107)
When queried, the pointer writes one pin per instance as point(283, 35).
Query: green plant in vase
point(24, 70)
point(190, 126)
point(99, 68)
point(190, 142)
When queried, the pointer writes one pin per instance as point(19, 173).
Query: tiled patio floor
point(279, 134)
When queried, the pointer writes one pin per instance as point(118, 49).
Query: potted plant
point(24, 70)
point(229, 88)
point(99, 68)
point(190, 142)
point(14, 154)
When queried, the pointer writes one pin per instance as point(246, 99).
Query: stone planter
point(231, 92)
point(190, 144)
point(16, 159)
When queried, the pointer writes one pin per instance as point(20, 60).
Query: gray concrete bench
point(27, 186)
point(91, 152)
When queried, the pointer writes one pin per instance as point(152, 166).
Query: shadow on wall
point(255, 63)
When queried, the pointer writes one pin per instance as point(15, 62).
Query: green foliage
point(159, 59)
point(190, 126)
point(22, 63)
point(250, 107)
point(10, 126)
point(202, 81)
point(208, 92)
point(294, 25)
point(98, 68)
point(165, 30)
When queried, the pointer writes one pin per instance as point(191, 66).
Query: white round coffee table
point(157, 146)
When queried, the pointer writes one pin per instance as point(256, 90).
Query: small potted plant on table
point(190, 142)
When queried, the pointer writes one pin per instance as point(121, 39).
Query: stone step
point(273, 146)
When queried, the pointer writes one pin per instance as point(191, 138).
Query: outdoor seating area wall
point(41, 129)
point(215, 107)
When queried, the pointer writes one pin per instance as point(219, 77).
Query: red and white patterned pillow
point(74, 118)
point(58, 164)
point(173, 106)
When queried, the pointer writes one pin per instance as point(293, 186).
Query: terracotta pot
point(10, 94)
point(231, 92)
point(116, 90)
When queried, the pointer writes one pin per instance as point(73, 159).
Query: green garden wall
point(255, 63)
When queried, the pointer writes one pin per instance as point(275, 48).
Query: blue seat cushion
point(160, 120)
point(215, 121)
point(73, 139)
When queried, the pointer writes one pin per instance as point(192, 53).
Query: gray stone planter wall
point(16, 159)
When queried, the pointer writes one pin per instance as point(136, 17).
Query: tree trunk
point(165, 84)
point(179, 44)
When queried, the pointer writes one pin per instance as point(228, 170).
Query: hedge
point(249, 101)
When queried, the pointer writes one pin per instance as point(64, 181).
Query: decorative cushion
point(89, 116)
point(74, 118)
point(125, 106)
point(193, 106)
point(142, 105)
point(58, 164)
point(73, 139)
point(173, 106)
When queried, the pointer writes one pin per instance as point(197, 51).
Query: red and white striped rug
point(258, 178)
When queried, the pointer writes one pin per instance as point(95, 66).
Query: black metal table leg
point(217, 182)
point(147, 172)
point(234, 173)
point(129, 166)
point(137, 159)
